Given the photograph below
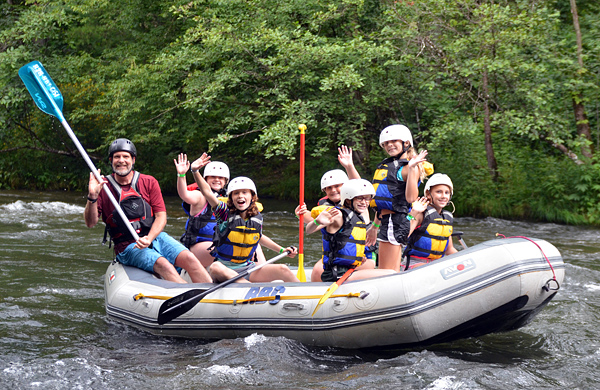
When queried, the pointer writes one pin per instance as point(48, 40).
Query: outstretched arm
point(418, 208)
point(412, 179)
point(191, 197)
point(201, 162)
point(267, 242)
point(345, 159)
point(330, 219)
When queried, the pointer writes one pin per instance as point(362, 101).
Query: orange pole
point(301, 274)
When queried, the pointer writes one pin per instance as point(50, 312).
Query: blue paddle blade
point(44, 92)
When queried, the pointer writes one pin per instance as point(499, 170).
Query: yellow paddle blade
point(326, 296)
point(301, 274)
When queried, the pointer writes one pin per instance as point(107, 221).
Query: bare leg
point(200, 250)
point(369, 264)
point(273, 272)
point(389, 256)
point(166, 271)
point(190, 263)
point(317, 270)
point(221, 273)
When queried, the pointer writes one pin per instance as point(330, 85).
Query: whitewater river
point(54, 333)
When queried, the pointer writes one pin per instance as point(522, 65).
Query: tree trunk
point(489, 149)
point(581, 121)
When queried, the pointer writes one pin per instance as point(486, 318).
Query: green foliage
point(236, 78)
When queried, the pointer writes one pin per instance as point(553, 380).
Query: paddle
point(332, 288)
point(48, 98)
point(182, 303)
point(301, 274)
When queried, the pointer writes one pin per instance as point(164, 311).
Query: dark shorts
point(394, 229)
point(331, 275)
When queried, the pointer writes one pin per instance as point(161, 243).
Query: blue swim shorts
point(162, 246)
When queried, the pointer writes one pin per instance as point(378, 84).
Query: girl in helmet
point(396, 187)
point(431, 226)
point(344, 234)
point(200, 226)
point(239, 231)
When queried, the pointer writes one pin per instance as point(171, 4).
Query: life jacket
point(199, 227)
point(238, 239)
point(325, 201)
point(346, 246)
point(431, 238)
point(136, 209)
point(390, 193)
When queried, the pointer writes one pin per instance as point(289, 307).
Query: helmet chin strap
point(405, 148)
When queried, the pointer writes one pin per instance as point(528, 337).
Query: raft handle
point(547, 288)
point(293, 306)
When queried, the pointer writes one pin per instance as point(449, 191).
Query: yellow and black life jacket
point(430, 239)
point(236, 239)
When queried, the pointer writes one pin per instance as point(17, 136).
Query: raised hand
point(201, 162)
point(345, 156)
point(94, 187)
point(420, 205)
point(182, 164)
point(419, 158)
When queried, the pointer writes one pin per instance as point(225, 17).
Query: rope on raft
point(250, 300)
point(547, 285)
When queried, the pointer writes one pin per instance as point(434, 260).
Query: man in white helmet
point(431, 228)
point(396, 187)
point(141, 199)
point(200, 226)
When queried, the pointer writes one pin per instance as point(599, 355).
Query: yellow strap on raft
point(256, 299)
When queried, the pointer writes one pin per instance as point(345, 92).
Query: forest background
point(503, 94)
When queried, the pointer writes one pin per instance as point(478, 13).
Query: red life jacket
point(136, 209)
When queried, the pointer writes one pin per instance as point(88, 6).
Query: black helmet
point(122, 145)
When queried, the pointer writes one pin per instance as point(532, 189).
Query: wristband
point(181, 175)
point(297, 216)
point(409, 217)
point(377, 226)
point(92, 200)
point(316, 223)
point(281, 251)
point(196, 171)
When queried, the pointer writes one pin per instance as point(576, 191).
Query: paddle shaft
point(182, 303)
point(99, 178)
point(57, 112)
point(333, 287)
point(301, 275)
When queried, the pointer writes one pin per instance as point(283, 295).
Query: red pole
point(301, 274)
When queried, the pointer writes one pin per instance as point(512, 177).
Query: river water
point(54, 332)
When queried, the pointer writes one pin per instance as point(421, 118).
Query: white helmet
point(439, 178)
point(395, 132)
point(333, 177)
point(241, 183)
point(356, 187)
point(216, 168)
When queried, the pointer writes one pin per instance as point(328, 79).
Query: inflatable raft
point(494, 286)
